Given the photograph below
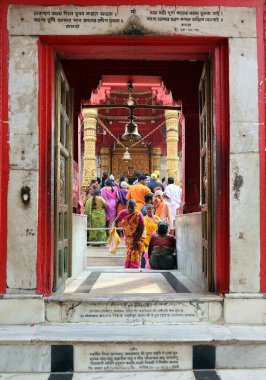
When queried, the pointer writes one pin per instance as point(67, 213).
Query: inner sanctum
point(164, 107)
point(112, 133)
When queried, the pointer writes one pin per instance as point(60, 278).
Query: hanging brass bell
point(126, 155)
point(131, 130)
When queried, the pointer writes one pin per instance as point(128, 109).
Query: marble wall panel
point(243, 80)
point(25, 358)
point(79, 243)
point(189, 247)
point(241, 356)
point(22, 231)
point(247, 311)
point(244, 223)
point(24, 161)
point(244, 137)
point(24, 151)
point(21, 311)
point(23, 85)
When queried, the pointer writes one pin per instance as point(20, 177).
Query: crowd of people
point(145, 210)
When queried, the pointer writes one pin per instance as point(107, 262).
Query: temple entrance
point(183, 79)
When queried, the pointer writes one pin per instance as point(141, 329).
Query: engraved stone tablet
point(132, 20)
point(129, 357)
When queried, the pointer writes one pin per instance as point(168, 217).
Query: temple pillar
point(156, 153)
point(89, 160)
point(172, 161)
point(105, 160)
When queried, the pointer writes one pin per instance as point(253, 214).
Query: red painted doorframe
point(47, 48)
point(45, 238)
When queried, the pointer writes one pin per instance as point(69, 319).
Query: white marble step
point(100, 256)
point(105, 259)
point(132, 309)
point(95, 348)
point(122, 296)
point(254, 374)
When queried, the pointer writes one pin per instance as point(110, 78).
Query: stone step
point(134, 309)
point(132, 296)
point(95, 349)
point(254, 374)
point(106, 259)
point(100, 256)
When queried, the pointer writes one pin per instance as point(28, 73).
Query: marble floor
point(254, 374)
point(99, 281)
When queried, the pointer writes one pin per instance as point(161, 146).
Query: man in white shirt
point(173, 194)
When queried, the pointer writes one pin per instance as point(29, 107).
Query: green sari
point(96, 219)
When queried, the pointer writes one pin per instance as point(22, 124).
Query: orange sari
point(130, 223)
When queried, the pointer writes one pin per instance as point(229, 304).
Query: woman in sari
point(162, 249)
point(150, 222)
point(121, 197)
point(95, 209)
point(162, 209)
point(108, 192)
point(133, 224)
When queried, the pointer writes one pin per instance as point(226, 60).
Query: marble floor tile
point(25, 376)
point(171, 375)
point(241, 356)
point(242, 374)
point(113, 283)
point(74, 283)
point(25, 358)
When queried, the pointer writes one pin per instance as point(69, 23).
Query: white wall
point(79, 243)
point(24, 170)
point(189, 247)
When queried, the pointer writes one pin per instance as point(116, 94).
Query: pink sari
point(110, 197)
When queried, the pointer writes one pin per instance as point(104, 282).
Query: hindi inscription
point(137, 312)
point(144, 20)
point(128, 357)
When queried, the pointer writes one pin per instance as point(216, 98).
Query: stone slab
point(23, 85)
point(88, 333)
point(113, 283)
point(27, 376)
point(25, 358)
point(133, 312)
point(244, 231)
point(241, 356)
point(251, 311)
point(146, 20)
point(79, 243)
point(130, 357)
point(254, 374)
point(242, 374)
point(244, 137)
point(21, 311)
point(22, 232)
point(243, 88)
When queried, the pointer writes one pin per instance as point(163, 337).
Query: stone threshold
point(93, 348)
point(88, 333)
point(235, 374)
point(175, 297)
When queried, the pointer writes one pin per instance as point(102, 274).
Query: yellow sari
point(150, 224)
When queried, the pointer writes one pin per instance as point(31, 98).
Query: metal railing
point(102, 242)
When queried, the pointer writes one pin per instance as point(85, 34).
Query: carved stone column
point(172, 167)
point(89, 166)
point(156, 153)
point(105, 160)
